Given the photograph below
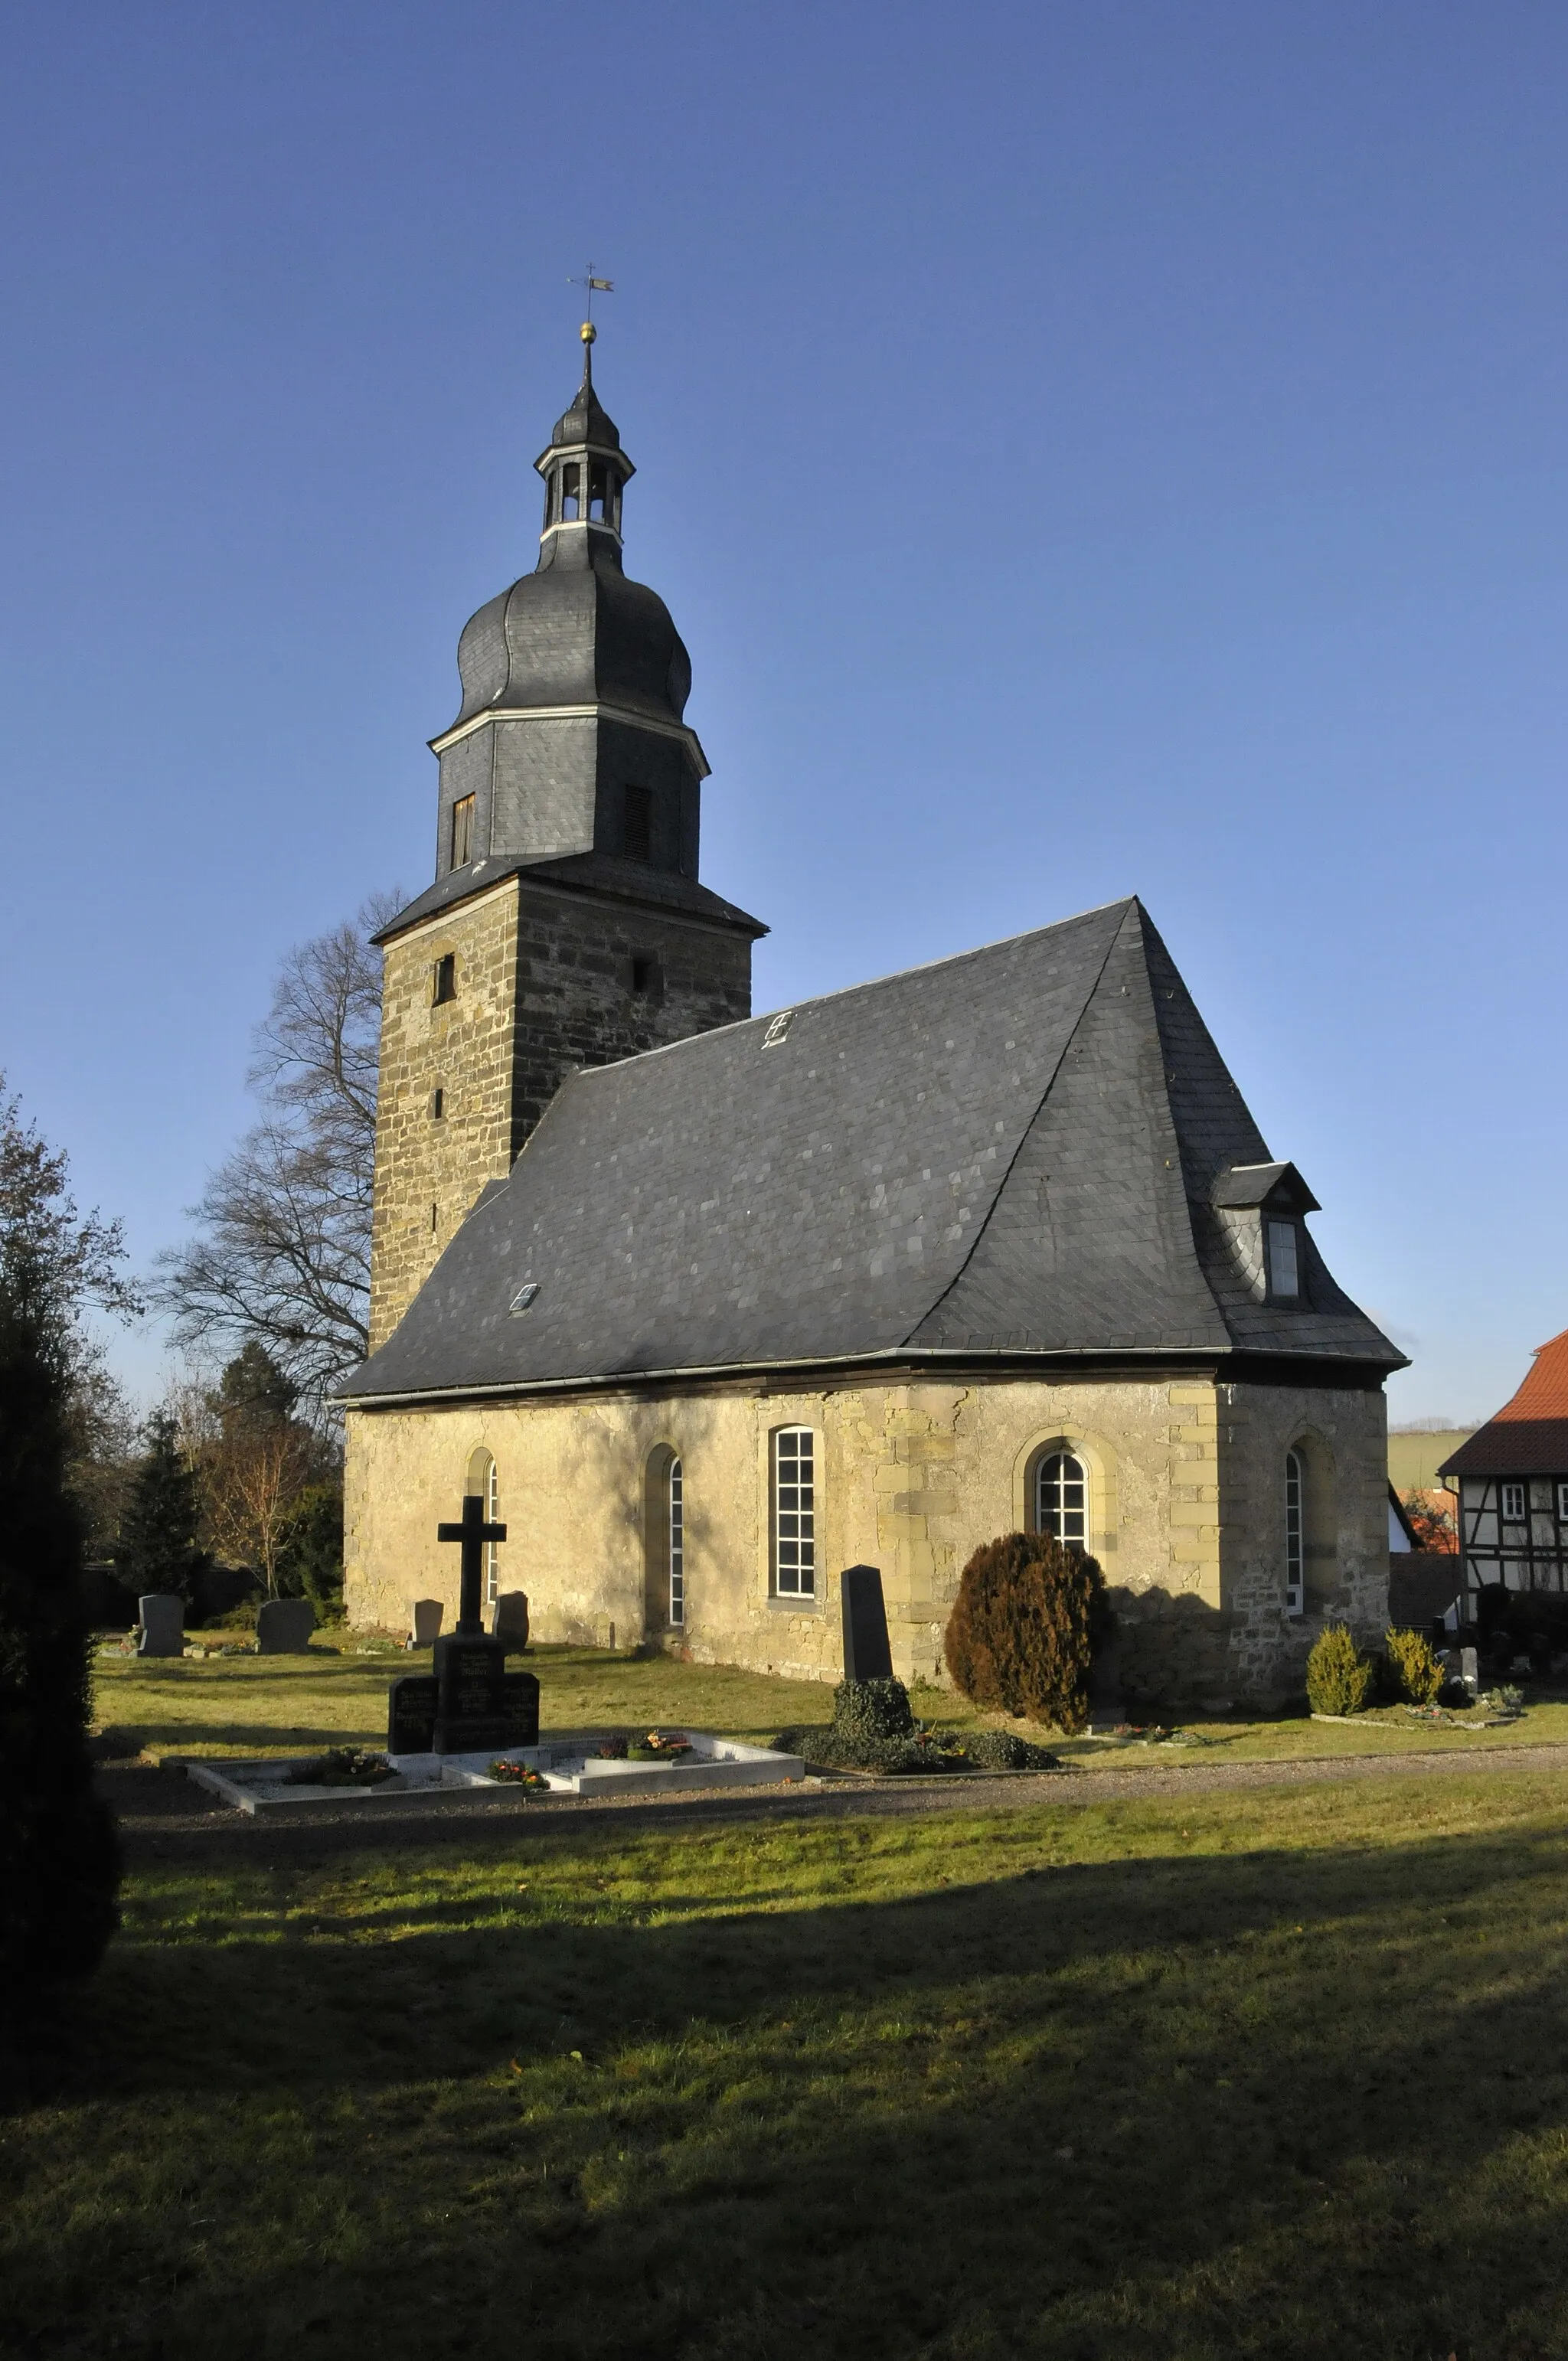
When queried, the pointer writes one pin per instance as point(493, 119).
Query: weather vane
point(595, 286)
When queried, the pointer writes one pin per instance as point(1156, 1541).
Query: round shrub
point(1003, 1749)
point(1025, 1626)
point(1338, 1675)
point(1414, 1673)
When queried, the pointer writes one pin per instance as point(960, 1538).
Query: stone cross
point(473, 1532)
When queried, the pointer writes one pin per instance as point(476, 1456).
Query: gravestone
point(509, 1623)
point(470, 1667)
point(520, 1703)
point(424, 1622)
point(283, 1627)
point(867, 1656)
point(1470, 1669)
point(411, 1714)
point(163, 1618)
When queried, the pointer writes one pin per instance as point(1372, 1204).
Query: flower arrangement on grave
point(508, 1774)
point(343, 1766)
point(659, 1746)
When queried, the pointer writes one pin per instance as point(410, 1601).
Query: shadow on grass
point(1279, 2104)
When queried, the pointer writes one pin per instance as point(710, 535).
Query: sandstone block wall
point(1186, 1516)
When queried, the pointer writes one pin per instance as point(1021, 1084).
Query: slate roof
point(1010, 1152)
point(602, 874)
point(1529, 1435)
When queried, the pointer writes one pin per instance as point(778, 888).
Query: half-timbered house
point(1512, 1482)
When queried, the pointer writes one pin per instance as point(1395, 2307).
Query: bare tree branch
point(282, 1253)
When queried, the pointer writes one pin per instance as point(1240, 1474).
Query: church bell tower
point(566, 925)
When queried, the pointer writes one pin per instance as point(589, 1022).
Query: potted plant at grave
point(659, 1746)
point(508, 1774)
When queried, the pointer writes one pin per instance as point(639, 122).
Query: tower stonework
point(568, 925)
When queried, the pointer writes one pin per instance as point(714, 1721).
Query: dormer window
point(462, 831)
point(1284, 1273)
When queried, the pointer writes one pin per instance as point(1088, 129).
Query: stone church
point(708, 1306)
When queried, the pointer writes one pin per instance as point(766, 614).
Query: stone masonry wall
point(430, 1167)
point(1186, 1516)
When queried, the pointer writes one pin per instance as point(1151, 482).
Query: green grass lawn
point(284, 1705)
point(1282, 2073)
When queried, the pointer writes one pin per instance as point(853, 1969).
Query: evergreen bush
point(309, 1552)
point(1414, 1673)
point(157, 1548)
point(1003, 1749)
point(58, 1854)
point(1338, 1675)
point(1028, 1620)
point(873, 1710)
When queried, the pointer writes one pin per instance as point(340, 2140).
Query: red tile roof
point(1529, 1436)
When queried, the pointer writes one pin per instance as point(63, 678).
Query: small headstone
point(283, 1627)
point(509, 1621)
point(161, 1615)
point(411, 1714)
point(1107, 1706)
point(1470, 1669)
point(519, 1704)
point(424, 1622)
point(867, 1656)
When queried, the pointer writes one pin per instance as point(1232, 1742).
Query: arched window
point(482, 1481)
point(676, 1527)
point(1061, 1498)
point(1295, 1538)
point(795, 1512)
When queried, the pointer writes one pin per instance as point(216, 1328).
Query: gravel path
point(164, 1817)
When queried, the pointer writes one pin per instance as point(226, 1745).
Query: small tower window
point(646, 981)
point(437, 1104)
point(445, 977)
point(462, 831)
point(637, 823)
point(1283, 1273)
point(571, 485)
point(598, 494)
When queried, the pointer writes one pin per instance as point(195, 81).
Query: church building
point(709, 1306)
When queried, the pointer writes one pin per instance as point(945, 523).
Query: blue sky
point(1086, 448)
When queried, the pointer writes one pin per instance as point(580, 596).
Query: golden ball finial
point(588, 332)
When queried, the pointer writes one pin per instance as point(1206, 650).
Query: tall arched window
point(482, 1481)
point(676, 1512)
point(1061, 1498)
point(795, 1512)
point(1295, 1540)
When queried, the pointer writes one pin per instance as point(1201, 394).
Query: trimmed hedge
point(1029, 1618)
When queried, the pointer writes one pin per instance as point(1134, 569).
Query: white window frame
point(675, 1530)
point(1282, 1243)
point(794, 1487)
point(1562, 1501)
point(1518, 1494)
point(1056, 1511)
point(493, 1549)
point(1295, 1535)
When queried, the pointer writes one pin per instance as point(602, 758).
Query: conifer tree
point(58, 1857)
point(157, 1548)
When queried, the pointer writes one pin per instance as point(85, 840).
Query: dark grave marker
point(411, 1714)
point(867, 1656)
point(520, 1702)
point(470, 1667)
